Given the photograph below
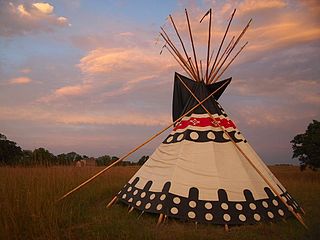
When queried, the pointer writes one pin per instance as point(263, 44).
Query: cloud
point(65, 92)
point(36, 114)
point(26, 70)
point(20, 80)
point(127, 34)
point(25, 18)
point(45, 8)
point(287, 27)
point(71, 90)
point(117, 70)
point(106, 60)
point(253, 5)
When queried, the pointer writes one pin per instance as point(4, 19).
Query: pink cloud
point(20, 80)
point(106, 60)
point(72, 90)
point(66, 91)
point(36, 114)
point(253, 5)
point(24, 18)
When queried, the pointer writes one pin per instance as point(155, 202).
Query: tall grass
point(28, 208)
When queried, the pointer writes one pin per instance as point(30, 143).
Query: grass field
point(28, 209)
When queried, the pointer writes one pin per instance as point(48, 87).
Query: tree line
point(11, 154)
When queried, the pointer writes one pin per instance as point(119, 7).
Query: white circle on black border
point(239, 206)
point(176, 200)
point(191, 214)
point(225, 136)
point(281, 212)
point(143, 194)
point(270, 215)
point(208, 216)
point(226, 217)
point(242, 218)
point(180, 137)
point(194, 135)
point(152, 196)
point(265, 204)
point(252, 206)
point(162, 197)
point(169, 139)
point(192, 204)
point(224, 206)
point(174, 210)
point(275, 202)
point(256, 217)
point(208, 205)
point(211, 135)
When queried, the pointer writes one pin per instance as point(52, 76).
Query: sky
point(87, 76)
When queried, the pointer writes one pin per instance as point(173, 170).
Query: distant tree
point(27, 157)
point(2, 137)
point(69, 158)
point(10, 153)
point(142, 160)
point(114, 158)
point(42, 156)
point(103, 160)
point(306, 147)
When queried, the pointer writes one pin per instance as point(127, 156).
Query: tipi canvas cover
point(197, 173)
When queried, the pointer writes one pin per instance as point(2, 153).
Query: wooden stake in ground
point(140, 146)
point(160, 219)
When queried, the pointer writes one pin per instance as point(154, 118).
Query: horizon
point(88, 77)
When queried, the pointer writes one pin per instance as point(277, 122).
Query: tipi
point(198, 174)
point(204, 170)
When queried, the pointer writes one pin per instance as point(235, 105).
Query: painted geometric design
point(204, 136)
point(221, 211)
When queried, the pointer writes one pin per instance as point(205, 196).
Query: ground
point(29, 209)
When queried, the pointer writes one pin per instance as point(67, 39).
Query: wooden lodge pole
point(138, 147)
point(226, 51)
point(182, 44)
point(213, 74)
point(209, 41)
point(216, 79)
point(193, 49)
point(222, 41)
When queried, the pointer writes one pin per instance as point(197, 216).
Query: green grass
point(28, 208)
